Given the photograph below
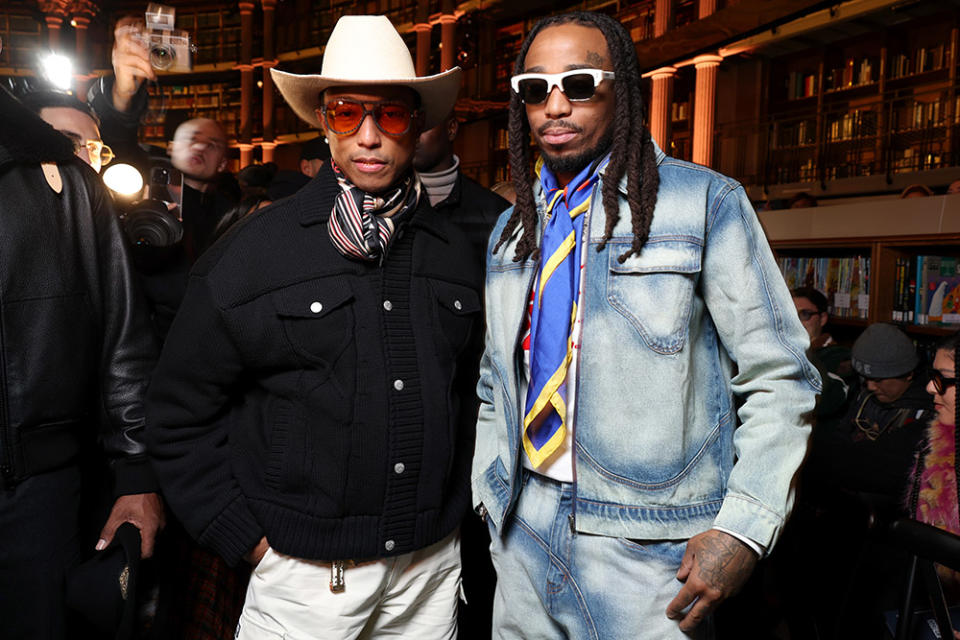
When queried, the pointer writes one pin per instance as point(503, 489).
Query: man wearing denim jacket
point(630, 297)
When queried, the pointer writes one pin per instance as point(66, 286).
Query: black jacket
point(75, 340)
point(474, 209)
point(320, 401)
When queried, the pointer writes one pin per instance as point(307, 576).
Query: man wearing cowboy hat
point(312, 409)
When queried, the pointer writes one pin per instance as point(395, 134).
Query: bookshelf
point(884, 103)
point(218, 101)
point(885, 233)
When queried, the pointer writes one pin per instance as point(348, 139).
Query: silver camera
point(170, 48)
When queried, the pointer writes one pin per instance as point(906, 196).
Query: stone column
point(706, 8)
point(54, 22)
point(423, 29)
point(268, 148)
point(661, 100)
point(269, 61)
point(246, 82)
point(448, 42)
point(662, 17)
point(246, 154)
point(704, 106)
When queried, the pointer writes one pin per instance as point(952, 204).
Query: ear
point(823, 319)
point(224, 161)
point(170, 148)
point(452, 127)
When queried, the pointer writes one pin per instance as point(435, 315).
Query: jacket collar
point(315, 201)
point(657, 152)
point(26, 139)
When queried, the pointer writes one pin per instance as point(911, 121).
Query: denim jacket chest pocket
point(654, 291)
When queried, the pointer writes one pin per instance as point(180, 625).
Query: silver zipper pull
point(337, 584)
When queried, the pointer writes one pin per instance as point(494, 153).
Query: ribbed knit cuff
point(134, 475)
point(234, 532)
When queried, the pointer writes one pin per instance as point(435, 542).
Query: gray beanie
point(883, 351)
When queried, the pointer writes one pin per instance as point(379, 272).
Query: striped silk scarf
point(554, 311)
point(361, 224)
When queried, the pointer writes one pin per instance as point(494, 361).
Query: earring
point(325, 141)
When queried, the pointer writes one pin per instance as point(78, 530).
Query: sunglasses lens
point(344, 117)
point(533, 90)
point(579, 86)
point(393, 119)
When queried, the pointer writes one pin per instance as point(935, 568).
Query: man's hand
point(144, 511)
point(713, 568)
point(255, 555)
point(131, 62)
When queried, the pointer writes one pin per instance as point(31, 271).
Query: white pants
point(409, 596)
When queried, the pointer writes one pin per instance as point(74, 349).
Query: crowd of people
point(374, 399)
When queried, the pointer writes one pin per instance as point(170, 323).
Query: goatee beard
point(574, 164)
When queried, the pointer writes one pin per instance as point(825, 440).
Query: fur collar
point(26, 139)
point(937, 500)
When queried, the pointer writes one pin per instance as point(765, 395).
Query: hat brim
point(438, 93)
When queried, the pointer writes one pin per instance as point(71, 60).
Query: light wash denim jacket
point(669, 338)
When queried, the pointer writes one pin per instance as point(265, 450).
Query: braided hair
point(950, 344)
point(632, 151)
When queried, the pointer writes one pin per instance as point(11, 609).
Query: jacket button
point(389, 545)
point(457, 305)
point(398, 384)
point(316, 307)
point(388, 305)
point(399, 468)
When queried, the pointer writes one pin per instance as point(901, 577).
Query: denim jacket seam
point(712, 437)
point(660, 509)
point(756, 503)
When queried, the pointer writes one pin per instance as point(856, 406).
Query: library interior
point(841, 119)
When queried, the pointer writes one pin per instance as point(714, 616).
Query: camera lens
point(151, 224)
point(162, 56)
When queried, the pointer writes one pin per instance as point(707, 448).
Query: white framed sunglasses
point(577, 84)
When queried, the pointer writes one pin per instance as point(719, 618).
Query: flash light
point(123, 179)
point(58, 70)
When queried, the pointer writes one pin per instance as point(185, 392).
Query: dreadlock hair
point(631, 154)
point(950, 344)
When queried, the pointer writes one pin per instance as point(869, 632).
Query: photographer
point(198, 150)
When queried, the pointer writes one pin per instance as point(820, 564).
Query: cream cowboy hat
point(367, 50)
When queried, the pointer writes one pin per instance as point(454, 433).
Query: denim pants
point(553, 583)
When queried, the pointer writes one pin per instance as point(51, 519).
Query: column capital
point(246, 6)
point(81, 22)
point(447, 19)
point(423, 27)
point(246, 146)
point(707, 60)
point(663, 72)
point(244, 67)
point(267, 64)
point(53, 21)
point(268, 145)
point(268, 5)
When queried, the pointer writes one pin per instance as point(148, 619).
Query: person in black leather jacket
point(76, 352)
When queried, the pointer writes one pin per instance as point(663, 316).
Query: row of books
point(844, 281)
point(801, 85)
point(851, 74)
point(927, 290)
point(923, 59)
point(855, 124)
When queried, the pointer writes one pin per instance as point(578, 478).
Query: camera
point(155, 223)
point(170, 48)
